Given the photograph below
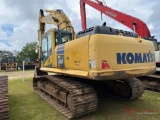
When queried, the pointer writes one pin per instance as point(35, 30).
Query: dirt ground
point(17, 74)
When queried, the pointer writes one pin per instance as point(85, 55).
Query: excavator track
point(136, 86)
point(4, 109)
point(151, 82)
point(128, 89)
point(73, 99)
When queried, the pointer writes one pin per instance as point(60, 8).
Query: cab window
point(66, 38)
point(62, 38)
point(46, 47)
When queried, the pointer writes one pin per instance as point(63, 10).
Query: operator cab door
point(61, 37)
point(47, 54)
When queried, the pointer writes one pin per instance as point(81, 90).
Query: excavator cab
point(50, 40)
point(62, 36)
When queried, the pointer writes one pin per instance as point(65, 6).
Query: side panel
point(71, 58)
point(76, 54)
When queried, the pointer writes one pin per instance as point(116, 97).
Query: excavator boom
point(133, 23)
point(56, 17)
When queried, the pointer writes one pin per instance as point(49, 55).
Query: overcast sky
point(19, 18)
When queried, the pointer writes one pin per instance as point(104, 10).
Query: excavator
point(151, 82)
point(97, 54)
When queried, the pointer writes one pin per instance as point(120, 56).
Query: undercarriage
point(71, 98)
point(74, 97)
point(151, 82)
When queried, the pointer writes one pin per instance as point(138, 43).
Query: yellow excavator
point(97, 54)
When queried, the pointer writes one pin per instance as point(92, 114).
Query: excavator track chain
point(151, 82)
point(137, 88)
point(128, 89)
point(4, 109)
point(73, 99)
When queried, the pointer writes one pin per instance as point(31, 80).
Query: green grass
point(24, 104)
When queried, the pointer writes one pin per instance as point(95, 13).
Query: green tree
point(28, 51)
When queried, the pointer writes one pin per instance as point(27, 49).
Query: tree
point(28, 52)
point(4, 54)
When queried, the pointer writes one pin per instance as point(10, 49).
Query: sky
point(19, 18)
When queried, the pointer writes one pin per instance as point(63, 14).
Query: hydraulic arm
point(133, 23)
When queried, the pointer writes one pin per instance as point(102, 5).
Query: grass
point(24, 104)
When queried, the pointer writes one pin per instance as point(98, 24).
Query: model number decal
point(60, 61)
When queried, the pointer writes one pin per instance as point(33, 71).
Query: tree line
point(27, 53)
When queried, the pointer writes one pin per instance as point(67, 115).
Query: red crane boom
point(133, 23)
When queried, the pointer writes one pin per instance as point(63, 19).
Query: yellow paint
point(48, 61)
point(76, 54)
point(79, 73)
point(105, 47)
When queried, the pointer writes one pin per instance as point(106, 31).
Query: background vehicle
point(135, 24)
point(28, 65)
point(98, 54)
point(9, 64)
point(3, 63)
